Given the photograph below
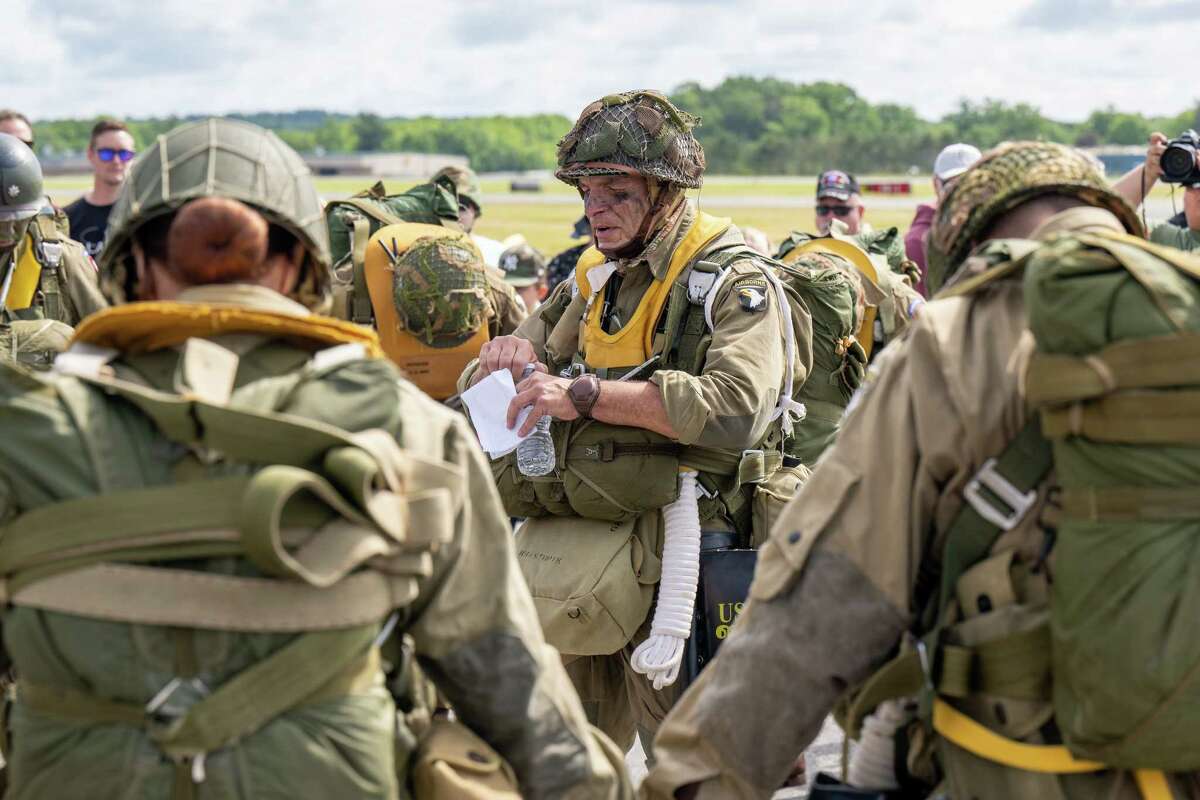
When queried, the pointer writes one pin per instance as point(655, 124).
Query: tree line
point(750, 126)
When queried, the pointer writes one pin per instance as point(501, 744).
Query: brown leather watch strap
point(584, 391)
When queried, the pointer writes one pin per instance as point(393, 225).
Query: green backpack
point(1114, 377)
point(352, 221)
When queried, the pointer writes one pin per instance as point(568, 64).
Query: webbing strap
point(1025, 462)
point(311, 667)
point(1132, 503)
point(981, 741)
point(361, 311)
point(1015, 667)
point(1132, 418)
point(1159, 362)
point(190, 599)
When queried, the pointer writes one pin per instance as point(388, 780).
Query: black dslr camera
point(1179, 160)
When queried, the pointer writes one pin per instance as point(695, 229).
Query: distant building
point(399, 165)
point(409, 165)
point(1118, 158)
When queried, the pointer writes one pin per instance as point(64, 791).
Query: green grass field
point(546, 223)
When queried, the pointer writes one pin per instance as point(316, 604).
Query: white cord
point(659, 657)
point(873, 765)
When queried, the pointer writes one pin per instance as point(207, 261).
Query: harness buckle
point(172, 703)
point(1018, 503)
point(52, 254)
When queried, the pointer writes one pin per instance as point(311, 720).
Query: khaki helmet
point(466, 184)
point(1006, 177)
point(219, 157)
point(21, 193)
point(440, 289)
point(523, 265)
point(640, 131)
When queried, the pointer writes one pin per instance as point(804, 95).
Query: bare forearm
point(637, 404)
point(1134, 185)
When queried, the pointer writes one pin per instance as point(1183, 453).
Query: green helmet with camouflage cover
point(466, 184)
point(1006, 177)
point(21, 192)
point(219, 158)
point(639, 131)
point(440, 290)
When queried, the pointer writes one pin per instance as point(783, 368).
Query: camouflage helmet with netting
point(640, 131)
point(219, 157)
point(1007, 176)
point(466, 184)
point(440, 290)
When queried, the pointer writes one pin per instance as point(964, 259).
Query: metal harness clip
point(1017, 502)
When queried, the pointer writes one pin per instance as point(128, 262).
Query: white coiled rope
point(873, 765)
point(659, 657)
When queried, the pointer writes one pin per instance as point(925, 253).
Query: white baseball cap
point(954, 160)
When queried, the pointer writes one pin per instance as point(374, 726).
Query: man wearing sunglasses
point(838, 197)
point(110, 150)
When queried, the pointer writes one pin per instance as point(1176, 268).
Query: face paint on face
point(616, 206)
point(12, 231)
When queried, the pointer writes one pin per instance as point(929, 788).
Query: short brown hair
point(8, 113)
point(105, 126)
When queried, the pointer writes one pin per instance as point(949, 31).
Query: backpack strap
point(48, 248)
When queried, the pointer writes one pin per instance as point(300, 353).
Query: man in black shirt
point(109, 151)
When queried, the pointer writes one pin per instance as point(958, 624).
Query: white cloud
point(408, 57)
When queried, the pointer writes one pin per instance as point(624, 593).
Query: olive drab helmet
point(466, 184)
point(220, 158)
point(1006, 177)
point(640, 131)
point(440, 289)
point(21, 192)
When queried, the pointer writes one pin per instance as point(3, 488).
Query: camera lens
point(1178, 161)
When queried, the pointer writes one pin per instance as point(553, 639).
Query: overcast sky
point(69, 58)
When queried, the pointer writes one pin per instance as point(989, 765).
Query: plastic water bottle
point(535, 453)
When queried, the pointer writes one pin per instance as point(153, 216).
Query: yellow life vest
point(633, 344)
point(25, 279)
point(866, 268)
point(434, 369)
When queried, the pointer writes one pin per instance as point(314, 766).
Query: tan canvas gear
point(435, 369)
point(592, 581)
point(1008, 651)
point(339, 526)
point(453, 763)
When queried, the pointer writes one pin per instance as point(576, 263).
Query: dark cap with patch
point(837, 184)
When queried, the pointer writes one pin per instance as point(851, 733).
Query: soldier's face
point(616, 206)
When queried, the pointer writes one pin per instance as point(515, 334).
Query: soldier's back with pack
point(237, 510)
point(1029, 573)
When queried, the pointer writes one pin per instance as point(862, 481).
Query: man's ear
point(145, 276)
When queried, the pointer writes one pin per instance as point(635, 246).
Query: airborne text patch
point(751, 293)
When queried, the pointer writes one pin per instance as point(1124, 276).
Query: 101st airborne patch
point(751, 292)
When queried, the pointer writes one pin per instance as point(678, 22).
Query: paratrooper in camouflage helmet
point(213, 662)
point(633, 156)
point(470, 195)
point(43, 274)
point(838, 592)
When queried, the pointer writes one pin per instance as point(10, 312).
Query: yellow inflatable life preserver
point(25, 279)
point(633, 344)
point(434, 370)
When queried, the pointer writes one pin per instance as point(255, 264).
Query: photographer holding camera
point(1174, 161)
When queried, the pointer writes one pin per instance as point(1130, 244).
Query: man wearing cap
point(853, 566)
point(838, 197)
point(953, 161)
point(470, 196)
point(525, 270)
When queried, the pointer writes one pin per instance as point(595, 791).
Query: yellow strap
point(968, 734)
point(1153, 784)
point(145, 327)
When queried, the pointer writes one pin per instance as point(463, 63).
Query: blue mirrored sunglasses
point(108, 153)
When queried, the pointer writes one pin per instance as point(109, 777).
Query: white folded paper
point(487, 403)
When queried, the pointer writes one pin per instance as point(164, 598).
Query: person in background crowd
point(757, 240)
point(1181, 231)
point(14, 123)
point(838, 197)
point(525, 270)
point(110, 149)
point(954, 160)
point(562, 266)
point(470, 196)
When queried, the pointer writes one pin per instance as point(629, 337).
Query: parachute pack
point(352, 221)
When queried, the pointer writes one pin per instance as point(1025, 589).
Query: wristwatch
point(584, 391)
